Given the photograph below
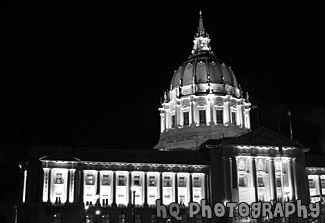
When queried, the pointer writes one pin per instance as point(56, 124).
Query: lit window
point(57, 218)
point(58, 178)
point(138, 218)
point(167, 181)
point(106, 180)
point(278, 181)
point(121, 180)
point(136, 181)
point(181, 182)
point(260, 182)
point(242, 181)
point(233, 117)
point(322, 181)
point(202, 116)
point(173, 121)
point(105, 218)
point(153, 219)
point(121, 218)
point(219, 113)
point(89, 218)
point(197, 182)
point(186, 118)
point(152, 181)
point(312, 183)
point(90, 179)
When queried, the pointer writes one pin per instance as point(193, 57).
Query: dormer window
point(202, 116)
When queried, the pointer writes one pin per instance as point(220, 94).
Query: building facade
point(207, 151)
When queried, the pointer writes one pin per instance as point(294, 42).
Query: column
point(272, 179)
point(161, 187)
point(162, 124)
point(191, 187)
point(213, 112)
point(254, 178)
point(81, 184)
point(50, 182)
point(145, 189)
point(295, 177)
point(290, 179)
point(45, 194)
point(68, 187)
point(114, 189)
point(176, 188)
point(130, 191)
point(209, 114)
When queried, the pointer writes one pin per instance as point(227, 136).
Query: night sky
point(76, 74)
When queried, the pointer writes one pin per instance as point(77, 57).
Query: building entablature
point(115, 166)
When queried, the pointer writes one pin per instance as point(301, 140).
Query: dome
point(206, 69)
point(203, 73)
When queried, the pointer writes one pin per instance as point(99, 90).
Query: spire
point(201, 30)
point(201, 40)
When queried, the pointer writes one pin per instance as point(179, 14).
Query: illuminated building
point(206, 150)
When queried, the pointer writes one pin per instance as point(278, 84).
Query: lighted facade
point(206, 150)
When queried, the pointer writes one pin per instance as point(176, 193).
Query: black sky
point(92, 75)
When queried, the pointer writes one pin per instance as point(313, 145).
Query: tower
point(204, 100)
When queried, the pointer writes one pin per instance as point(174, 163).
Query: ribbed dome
point(203, 72)
point(201, 69)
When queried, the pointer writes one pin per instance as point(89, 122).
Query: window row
point(123, 187)
point(316, 186)
point(202, 117)
point(266, 176)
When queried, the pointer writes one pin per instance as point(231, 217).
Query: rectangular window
point(138, 218)
point(89, 218)
point(197, 182)
point(202, 116)
point(242, 181)
point(106, 180)
point(121, 218)
point(181, 182)
point(173, 121)
point(233, 117)
point(322, 181)
point(260, 182)
point(90, 179)
point(105, 218)
point(219, 113)
point(153, 219)
point(136, 181)
point(167, 181)
point(152, 181)
point(58, 178)
point(57, 218)
point(311, 183)
point(121, 180)
point(186, 118)
point(278, 181)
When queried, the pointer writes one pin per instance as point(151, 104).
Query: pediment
point(262, 137)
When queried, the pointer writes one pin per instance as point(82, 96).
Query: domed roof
point(203, 68)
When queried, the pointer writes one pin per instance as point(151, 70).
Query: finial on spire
point(201, 31)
